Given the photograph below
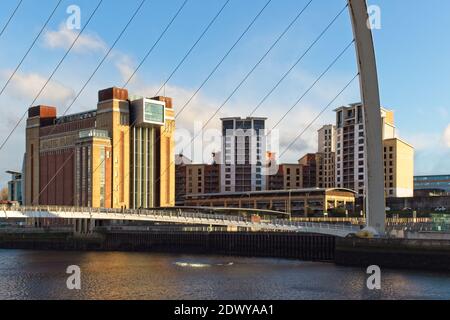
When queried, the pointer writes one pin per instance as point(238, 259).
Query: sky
point(411, 48)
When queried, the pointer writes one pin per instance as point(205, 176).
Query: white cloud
point(27, 86)
point(202, 107)
point(126, 66)
point(64, 37)
point(424, 141)
point(447, 136)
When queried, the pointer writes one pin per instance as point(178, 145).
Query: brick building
point(118, 155)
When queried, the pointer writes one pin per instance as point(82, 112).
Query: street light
point(290, 205)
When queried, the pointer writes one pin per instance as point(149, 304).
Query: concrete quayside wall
point(394, 253)
point(310, 247)
point(386, 253)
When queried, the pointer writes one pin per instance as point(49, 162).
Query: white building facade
point(244, 151)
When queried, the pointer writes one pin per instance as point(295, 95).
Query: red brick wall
point(68, 127)
point(57, 187)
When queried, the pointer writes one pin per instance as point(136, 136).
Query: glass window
point(154, 112)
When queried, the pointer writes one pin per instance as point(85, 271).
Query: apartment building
point(181, 162)
point(326, 157)
point(308, 169)
point(398, 168)
point(196, 178)
point(288, 177)
point(243, 154)
point(350, 153)
point(292, 176)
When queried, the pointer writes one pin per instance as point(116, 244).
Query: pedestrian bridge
point(176, 215)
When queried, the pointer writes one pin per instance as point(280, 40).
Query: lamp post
point(290, 205)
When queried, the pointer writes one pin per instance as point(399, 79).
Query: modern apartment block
point(326, 157)
point(119, 155)
point(308, 169)
point(212, 175)
point(350, 153)
point(243, 154)
point(196, 178)
point(181, 162)
point(294, 176)
point(398, 168)
point(288, 177)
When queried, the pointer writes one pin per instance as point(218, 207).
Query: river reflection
point(125, 275)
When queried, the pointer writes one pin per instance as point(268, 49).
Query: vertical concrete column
point(85, 226)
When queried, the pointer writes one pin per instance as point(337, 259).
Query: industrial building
point(119, 155)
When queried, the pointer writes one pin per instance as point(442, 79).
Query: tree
point(4, 193)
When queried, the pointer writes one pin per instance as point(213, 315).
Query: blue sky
point(412, 53)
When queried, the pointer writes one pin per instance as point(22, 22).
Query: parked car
point(440, 209)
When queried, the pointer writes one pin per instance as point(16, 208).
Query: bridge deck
point(176, 216)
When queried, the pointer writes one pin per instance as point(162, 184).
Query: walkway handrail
point(193, 217)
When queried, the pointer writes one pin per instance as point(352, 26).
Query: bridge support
point(84, 226)
point(374, 186)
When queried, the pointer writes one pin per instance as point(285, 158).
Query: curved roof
point(221, 210)
point(268, 192)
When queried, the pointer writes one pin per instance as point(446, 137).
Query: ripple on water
point(128, 275)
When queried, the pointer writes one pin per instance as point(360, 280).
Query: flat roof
point(227, 210)
point(239, 118)
point(401, 140)
point(268, 192)
point(432, 176)
point(76, 116)
point(352, 105)
point(13, 172)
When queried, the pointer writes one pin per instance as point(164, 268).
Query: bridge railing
point(188, 214)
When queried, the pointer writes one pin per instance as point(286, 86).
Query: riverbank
point(419, 254)
point(307, 247)
point(386, 253)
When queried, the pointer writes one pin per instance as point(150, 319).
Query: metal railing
point(187, 216)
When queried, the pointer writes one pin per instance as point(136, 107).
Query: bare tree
point(4, 193)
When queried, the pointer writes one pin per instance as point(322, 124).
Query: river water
point(125, 275)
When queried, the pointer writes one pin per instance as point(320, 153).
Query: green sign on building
point(154, 113)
